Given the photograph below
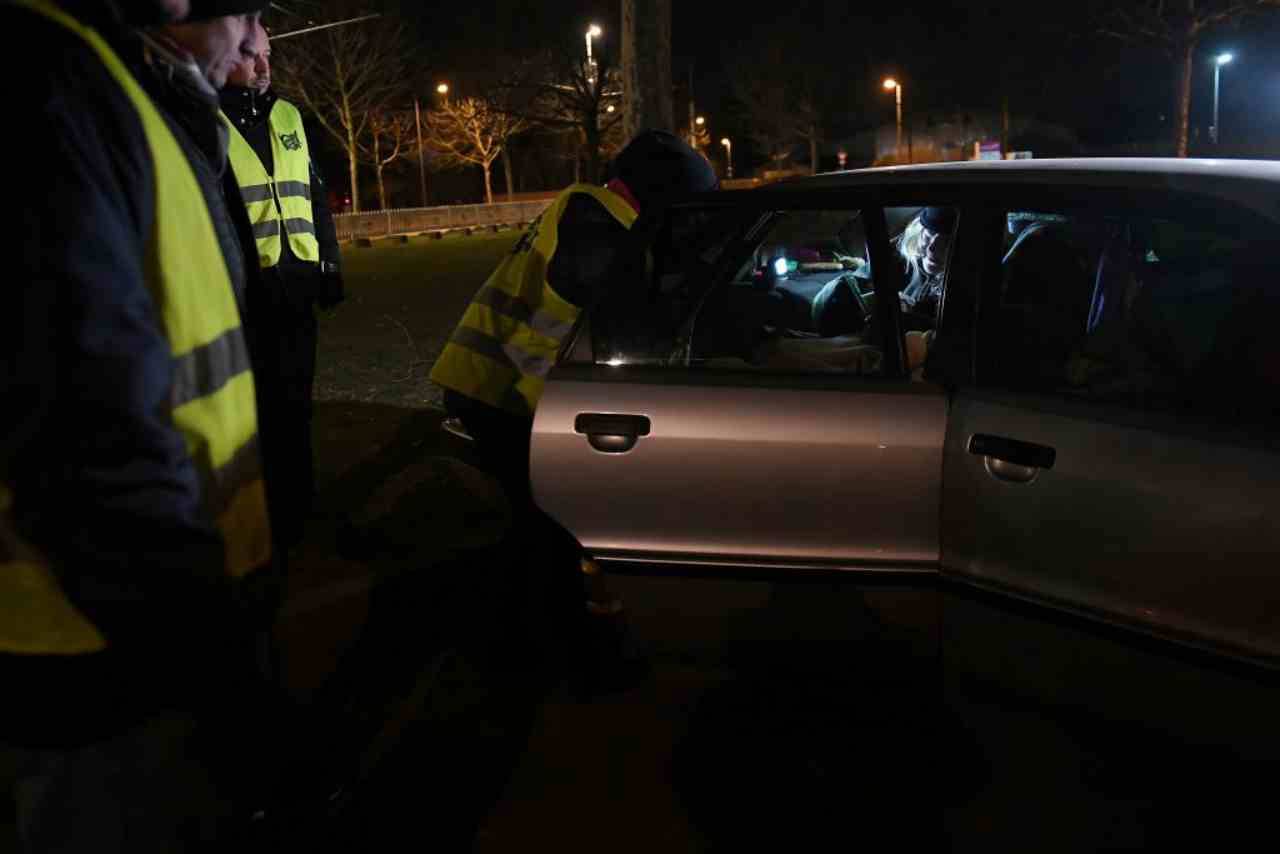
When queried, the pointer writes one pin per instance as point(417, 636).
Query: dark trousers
point(550, 555)
point(282, 328)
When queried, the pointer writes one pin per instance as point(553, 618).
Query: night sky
point(950, 55)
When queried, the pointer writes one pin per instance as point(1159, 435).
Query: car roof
point(1255, 183)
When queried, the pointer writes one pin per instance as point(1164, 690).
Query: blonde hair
point(908, 246)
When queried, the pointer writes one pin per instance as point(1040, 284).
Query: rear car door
point(700, 423)
point(1117, 454)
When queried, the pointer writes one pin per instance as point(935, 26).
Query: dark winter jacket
point(101, 478)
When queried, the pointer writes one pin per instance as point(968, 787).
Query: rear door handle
point(1010, 459)
point(611, 433)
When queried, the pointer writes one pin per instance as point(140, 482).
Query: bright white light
point(890, 84)
point(700, 121)
point(615, 362)
point(780, 266)
point(1224, 58)
point(594, 31)
point(610, 108)
point(725, 142)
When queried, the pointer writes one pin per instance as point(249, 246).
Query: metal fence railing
point(416, 220)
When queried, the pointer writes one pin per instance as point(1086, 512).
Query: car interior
point(799, 297)
point(1090, 304)
point(1128, 308)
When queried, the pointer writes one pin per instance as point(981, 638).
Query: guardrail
point(401, 221)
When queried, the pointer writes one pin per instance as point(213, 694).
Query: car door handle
point(611, 433)
point(1010, 459)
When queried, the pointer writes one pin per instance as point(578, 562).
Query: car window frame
point(1177, 205)
point(872, 200)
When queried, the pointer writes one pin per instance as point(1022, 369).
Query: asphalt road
point(782, 714)
point(798, 714)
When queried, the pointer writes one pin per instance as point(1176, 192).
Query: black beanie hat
point(203, 10)
point(939, 220)
point(657, 166)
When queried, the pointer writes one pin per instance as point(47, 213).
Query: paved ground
point(787, 715)
point(784, 714)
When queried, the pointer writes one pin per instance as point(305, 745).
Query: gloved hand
point(329, 288)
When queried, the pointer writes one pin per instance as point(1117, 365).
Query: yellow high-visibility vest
point(508, 339)
point(211, 397)
point(281, 199)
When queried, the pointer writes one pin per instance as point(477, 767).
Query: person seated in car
point(923, 247)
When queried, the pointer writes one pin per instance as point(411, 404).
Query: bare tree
point(472, 132)
point(771, 127)
point(345, 76)
point(390, 136)
point(560, 93)
point(1176, 27)
point(780, 102)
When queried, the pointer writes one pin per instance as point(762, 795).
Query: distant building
point(938, 138)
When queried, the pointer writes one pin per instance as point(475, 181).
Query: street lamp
point(610, 108)
point(696, 126)
point(728, 157)
point(422, 165)
point(593, 32)
point(443, 89)
point(1221, 60)
point(892, 85)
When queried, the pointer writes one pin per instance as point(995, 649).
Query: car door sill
point(1169, 642)
point(624, 563)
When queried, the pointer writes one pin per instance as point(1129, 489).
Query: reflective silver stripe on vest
point(298, 225)
point(293, 188)
point(206, 369)
point(506, 354)
point(256, 193)
point(270, 228)
point(244, 467)
point(519, 310)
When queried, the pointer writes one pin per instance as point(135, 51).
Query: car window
point(1165, 310)
point(779, 291)
point(639, 322)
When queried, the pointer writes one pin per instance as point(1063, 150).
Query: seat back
point(1115, 272)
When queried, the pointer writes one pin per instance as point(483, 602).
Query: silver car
point(1057, 380)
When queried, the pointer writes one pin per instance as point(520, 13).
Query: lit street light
point(593, 32)
point(892, 85)
point(696, 126)
point(610, 108)
point(728, 157)
point(443, 89)
point(422, 165)
point(1220, 61)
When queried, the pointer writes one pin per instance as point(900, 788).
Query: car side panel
point(739, 472)
point(1142, 519)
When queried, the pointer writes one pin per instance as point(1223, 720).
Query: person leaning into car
point(494, 366)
